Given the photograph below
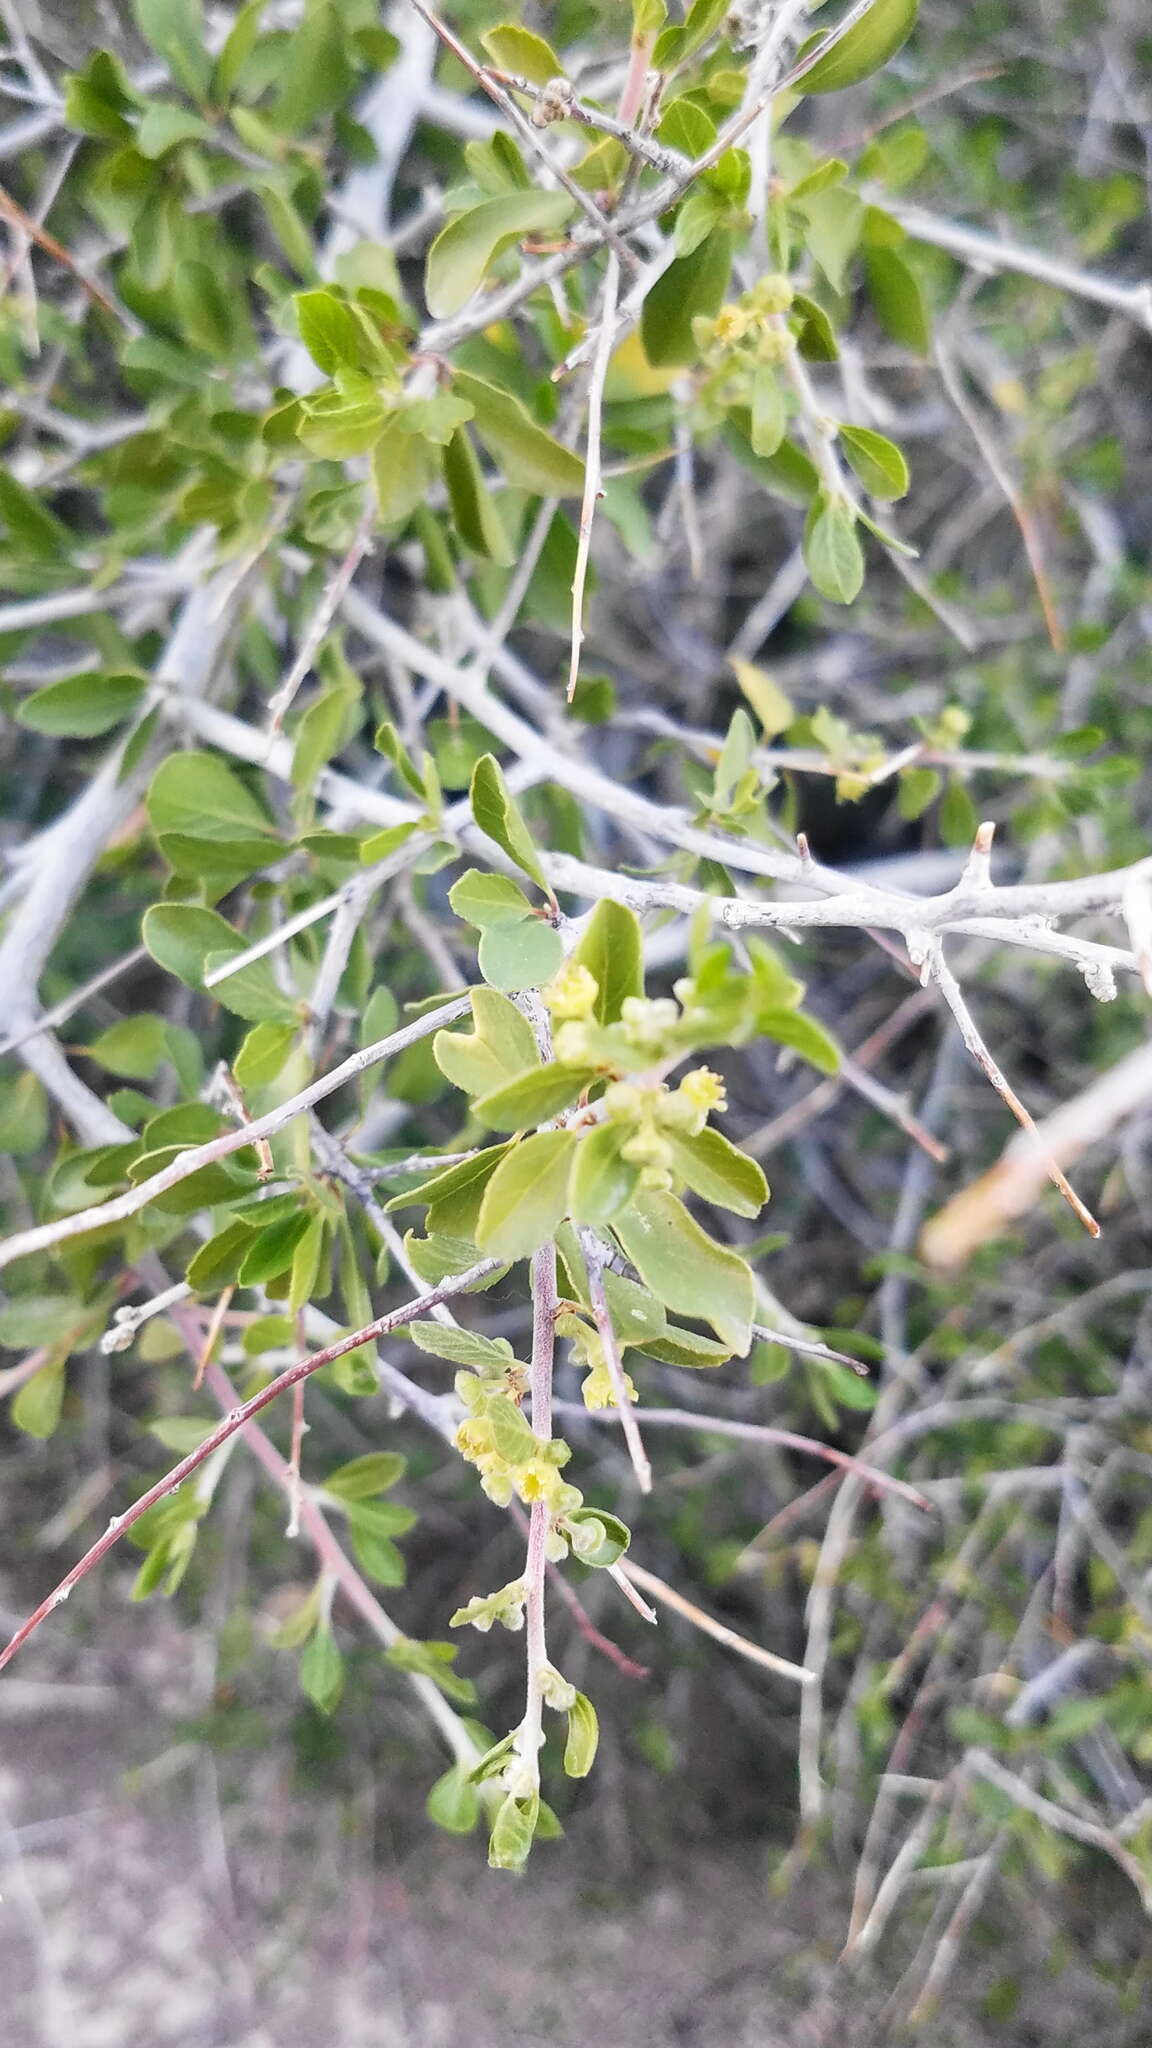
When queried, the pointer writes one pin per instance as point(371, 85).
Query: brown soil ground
point(158, 1895)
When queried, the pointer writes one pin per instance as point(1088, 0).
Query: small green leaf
point(163, 126)
point(37, 1404)
point(188, 941)
point(513, 48)
point(403, 467)
point(530, 458)
point(816, 336)
point(32, 529)
point(692, 286)
point(270, 1252)
point(454, 1197)
point(769, 411)
point(218, 1262)
point(583, 1738)
point(322, 1670)
point(832, 550)
point(497, 813)
point(465, 250)
point(316, 75)
point(175, 30)
point(900, 305)
point(918, 788)
point(454, 1803)
point(499, 1047)
point(877, 462)
point(330, 331)
point(602, 1181)
point(263, 1053)
point(201, 796)
point(486, 900)
point(775, 711)
point(531, 1099)
point(598, 1538)
point(868, 45)
point(512, 1439)
point(523, 955)
point(686, 1269)
point(512, 1832)
point(364, 1478)
point(527, 1196)
point(474, 511)
point(491, 1355)
point(612, 949)
point(716, 1171)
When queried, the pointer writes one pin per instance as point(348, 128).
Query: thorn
point(978, 867)
point(803, 848)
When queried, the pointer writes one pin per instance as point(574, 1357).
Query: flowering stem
point(530, 1735)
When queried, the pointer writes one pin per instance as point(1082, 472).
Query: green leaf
point(364, 1478)
point(832, 550)
point(602, 1181)
point(500, 1046)
point(687, 1348)
point(218, 1262)
point(23, 1116)
point(490, 1355)
point(532, 1098)
point(375, 1552)
point(816, 336)
point(134, 1048)
point(833, 219)
point(98, 100)
point(316, 75)
point(686, 1269)
point(692, 286)
point(512, 1832)
point(775, 711)
point(330, 331)
point(163, 126)
point(403, 467)
point(876, 37)
point(918, 788)
point(434, 1661)
point(512, 1439)
point(527, 1196)
point(270, 1252)
point(877, 462)
point(213, 313)
point(200, 796)
point(322, 1670)
point(530, 458)
point(263, 1053)
point(188, 941)
point(899, 302)
point(769, 411)
point(474, 511)
point(175, 30)
point(523, 955)
point(454, 1803)
point(497, 813)
point(513, 48)
point(612, 949)
point(598, 1538)
point(484, 899)
point(465, 250)
point(32, 528)
point(37, 1404)
point(803, 1034)
point(454, 1197)
point(583, 1738)
point(716, 1171)
point(242, 40)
